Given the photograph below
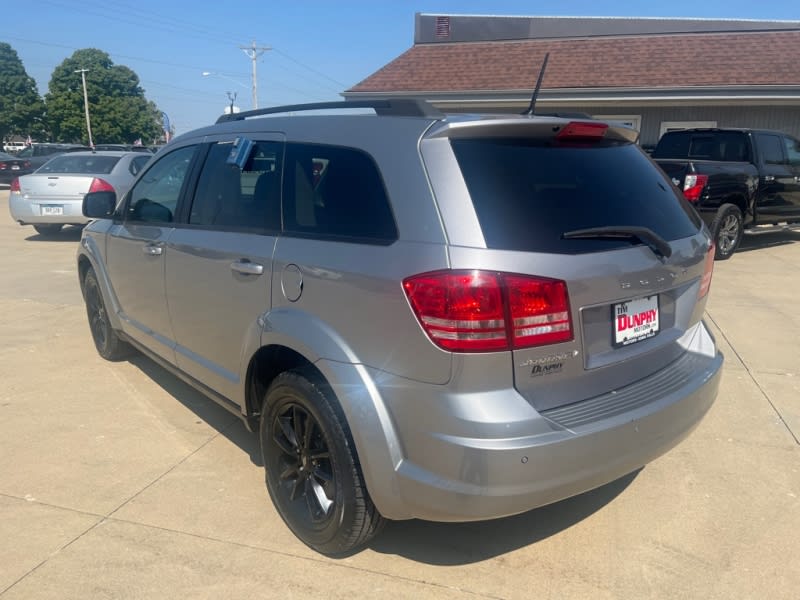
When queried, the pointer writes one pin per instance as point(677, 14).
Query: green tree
point(118, 109)
point(21, 108)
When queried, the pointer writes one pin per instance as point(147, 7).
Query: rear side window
point(86, 165)
point(334, 192)
point(712, 145)
point(138, 163)
point(527, 194)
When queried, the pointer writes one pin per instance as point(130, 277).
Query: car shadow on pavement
point(451, 544)
point(768, 240)
point(445, 544)
point(67, 234)
point(206, 409)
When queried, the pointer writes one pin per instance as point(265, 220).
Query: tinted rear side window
point(334, 192)
point(711, 145)
point(87, 165)
point(527, 194)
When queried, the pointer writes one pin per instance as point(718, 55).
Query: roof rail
point(395, 107)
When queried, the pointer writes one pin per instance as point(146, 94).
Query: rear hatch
point(590, 210)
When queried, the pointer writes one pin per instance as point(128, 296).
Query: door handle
point(152, 250)
point(769, 178)
point(245, 267)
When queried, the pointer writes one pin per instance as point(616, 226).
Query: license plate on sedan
point(52, 210)
point(635, 320)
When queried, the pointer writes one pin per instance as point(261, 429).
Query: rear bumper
point(31, 212)
point(492, 467)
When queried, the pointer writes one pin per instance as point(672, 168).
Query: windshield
point(527, 194)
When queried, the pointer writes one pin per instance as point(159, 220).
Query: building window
point(678, 125)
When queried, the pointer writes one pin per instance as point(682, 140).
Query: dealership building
point(654, 74)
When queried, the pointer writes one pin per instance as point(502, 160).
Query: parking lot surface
point(119, 481)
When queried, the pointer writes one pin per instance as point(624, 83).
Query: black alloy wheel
point(306, 474)
point(108, 344)
point(312, 470)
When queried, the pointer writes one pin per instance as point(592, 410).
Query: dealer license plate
point(635, 320)
point(52, 210)
point(15, 167)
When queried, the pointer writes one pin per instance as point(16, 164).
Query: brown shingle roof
point(666, 61)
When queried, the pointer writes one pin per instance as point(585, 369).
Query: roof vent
point(442, 28)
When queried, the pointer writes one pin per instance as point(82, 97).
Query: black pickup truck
point(737, 179)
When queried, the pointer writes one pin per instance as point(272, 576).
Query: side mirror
point(99, 205)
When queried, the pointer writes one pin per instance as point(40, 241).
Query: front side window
point(228, 197)
point(792, 150)
point(334, 192)
point(155, 197)
point(771, 149)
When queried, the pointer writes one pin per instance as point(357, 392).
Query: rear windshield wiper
point(657, 244)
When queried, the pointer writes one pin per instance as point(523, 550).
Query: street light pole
point(86, 104)
point(253, 52)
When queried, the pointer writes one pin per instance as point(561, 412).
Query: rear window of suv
point(707, 145)
point(527, 194)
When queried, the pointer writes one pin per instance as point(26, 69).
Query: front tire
point(106, 340)
point(312, 471)
point(47, 230)
point(727, 230)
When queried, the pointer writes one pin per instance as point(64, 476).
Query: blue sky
point(319, 48)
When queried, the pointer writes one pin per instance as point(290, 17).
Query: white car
point(52, 196)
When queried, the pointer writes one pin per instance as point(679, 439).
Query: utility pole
point(253, 52)
point(86, 105)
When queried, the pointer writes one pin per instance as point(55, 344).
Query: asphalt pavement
point(119, 481)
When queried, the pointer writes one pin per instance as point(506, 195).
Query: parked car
point(737, 179)
point(52, 196)
point(13, 147)
point(123, 148)
point(38, 154)
point(12, 166)
point(449, 318)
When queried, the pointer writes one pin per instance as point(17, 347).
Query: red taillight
point(579, 130)
point(26, 164)
point(14, 185)
point(480, 311)
point(693, 187)
point(100, 185)
point(708, 271)
point(3, 166)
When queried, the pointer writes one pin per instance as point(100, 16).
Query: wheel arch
point(377, 444)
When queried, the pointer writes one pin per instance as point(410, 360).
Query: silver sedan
point(52, 196)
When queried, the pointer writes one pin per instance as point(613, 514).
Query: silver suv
point(450, 318)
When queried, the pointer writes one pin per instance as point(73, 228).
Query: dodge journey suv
point(428, 316)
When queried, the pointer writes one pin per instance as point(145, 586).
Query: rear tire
point(727, 230)
point(47, 229)
point(106, 340)
point(312, 471)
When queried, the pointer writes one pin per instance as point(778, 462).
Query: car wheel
point(48, 229)
point(727, 231)
point(312, 471)
point(106, 340)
